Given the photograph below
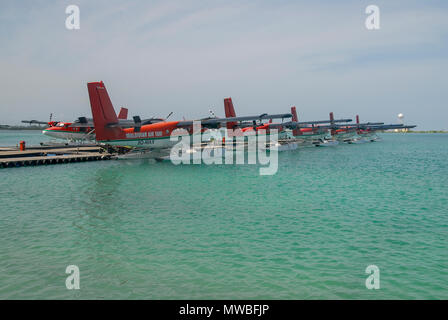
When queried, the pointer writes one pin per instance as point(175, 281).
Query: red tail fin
point(357, 119)
point(229, 111)
point(295, 118)
point(103, 113)
point(123, 115)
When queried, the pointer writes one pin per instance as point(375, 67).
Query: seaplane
point(364, 132)
point(151, 140)
point(67, 131)
point(343, 133)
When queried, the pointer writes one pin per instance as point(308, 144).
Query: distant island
point(416, 131)
point(428, 131)
point(6, 127)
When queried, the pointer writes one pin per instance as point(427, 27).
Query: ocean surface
point(12, 138)
point(144, 230)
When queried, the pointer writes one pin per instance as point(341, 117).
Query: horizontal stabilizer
point(123, 113)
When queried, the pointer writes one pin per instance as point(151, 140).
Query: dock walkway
point(12, 157)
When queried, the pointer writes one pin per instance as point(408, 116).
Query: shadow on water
point(101, 193)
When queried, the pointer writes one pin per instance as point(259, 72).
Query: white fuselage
point(307, 138)
point(345, 136)
point(68, 135)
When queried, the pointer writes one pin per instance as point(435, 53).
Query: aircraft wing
point(136, 122)
point(366, 125)
point(34, 122)
point(215, 122)
point(323, 121)
point(82, 122)
point(392, 126)
point(307, 124)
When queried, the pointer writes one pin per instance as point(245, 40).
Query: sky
point(186, 56)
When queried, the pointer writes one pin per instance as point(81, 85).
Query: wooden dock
point(12, 157)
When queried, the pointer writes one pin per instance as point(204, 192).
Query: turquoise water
point(138, 229)
point(12, 138)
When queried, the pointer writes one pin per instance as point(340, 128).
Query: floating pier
point(13, 157)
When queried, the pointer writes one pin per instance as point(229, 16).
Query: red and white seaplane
point(66, 130)
point(342, 133)
point(366, 132)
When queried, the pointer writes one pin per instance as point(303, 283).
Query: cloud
point(185, 56)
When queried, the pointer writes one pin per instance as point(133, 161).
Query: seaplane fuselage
point(62, 130)
point(151, 136)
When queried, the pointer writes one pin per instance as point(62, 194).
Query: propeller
point(82, 119)
point(254, 124)
point(138, 123)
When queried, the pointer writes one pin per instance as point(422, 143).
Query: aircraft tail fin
point(229, 111)
point(357, 119)
point(295, 118)
point(332, 122)
point(104, 116)
point(123, 115)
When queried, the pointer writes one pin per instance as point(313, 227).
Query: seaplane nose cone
point(47, 132)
